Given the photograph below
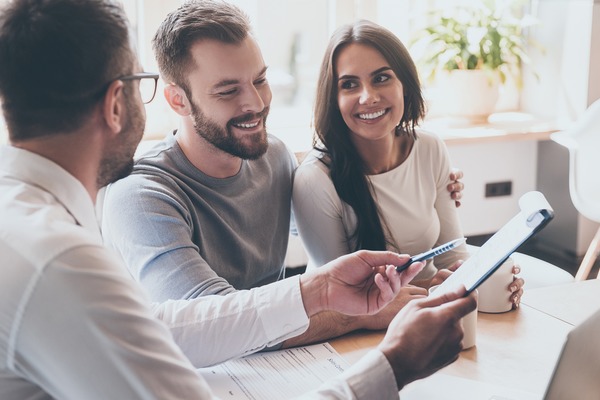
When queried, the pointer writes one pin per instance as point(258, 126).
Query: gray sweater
point(184, 234)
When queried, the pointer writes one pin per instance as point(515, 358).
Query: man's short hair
point(57, 58)
point(193, 21)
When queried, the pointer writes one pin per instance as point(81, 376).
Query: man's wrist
point(399, 370)
point(313, 289)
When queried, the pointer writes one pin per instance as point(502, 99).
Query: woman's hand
point(516, 287)
point(455, 187)
point(440, 276)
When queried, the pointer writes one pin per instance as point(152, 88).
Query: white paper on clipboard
point(534, 215)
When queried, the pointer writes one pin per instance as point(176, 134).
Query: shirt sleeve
point(85, 332)
point(149, 225)
point(319, 212)
point(370, 378)
point(208, 328)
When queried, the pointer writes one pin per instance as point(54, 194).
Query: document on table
point(275, 375)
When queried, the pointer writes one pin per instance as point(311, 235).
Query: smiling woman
point(374, 181)
point(371, 101)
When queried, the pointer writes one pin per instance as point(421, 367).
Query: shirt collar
point(39, 171)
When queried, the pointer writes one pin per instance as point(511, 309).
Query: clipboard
point(535, 213)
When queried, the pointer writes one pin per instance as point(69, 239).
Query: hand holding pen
point(432, 253)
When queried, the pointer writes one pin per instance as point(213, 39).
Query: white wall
point(569, 81)
point(493, 162)
point(565, 33)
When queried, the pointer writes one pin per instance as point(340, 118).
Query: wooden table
point(517, 349)
point(571, 303)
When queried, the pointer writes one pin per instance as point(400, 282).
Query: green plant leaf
point(486, 36)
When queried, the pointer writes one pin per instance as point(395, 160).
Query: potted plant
point(469, 52)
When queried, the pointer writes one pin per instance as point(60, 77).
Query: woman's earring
point(399, 130)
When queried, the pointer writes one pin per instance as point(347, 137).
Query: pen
point(432, 253)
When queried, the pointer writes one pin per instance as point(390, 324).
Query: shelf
point(500, 127)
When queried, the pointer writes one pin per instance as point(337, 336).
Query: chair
point(583, 142)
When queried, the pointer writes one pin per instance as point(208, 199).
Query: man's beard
point(117, 162)
point(250, 147)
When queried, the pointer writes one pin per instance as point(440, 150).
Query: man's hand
point(356, 284)
point(456, 187)
point(426, 335)
point(382, 319)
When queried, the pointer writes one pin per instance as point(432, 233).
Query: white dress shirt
point(74, 325)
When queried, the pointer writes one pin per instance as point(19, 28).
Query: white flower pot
point(470, 94)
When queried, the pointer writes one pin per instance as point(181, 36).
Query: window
point(293, 35)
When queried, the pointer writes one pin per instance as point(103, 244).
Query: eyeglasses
point(148, 82)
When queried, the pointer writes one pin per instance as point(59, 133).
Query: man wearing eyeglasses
point(207, 211)
point(73, 324)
